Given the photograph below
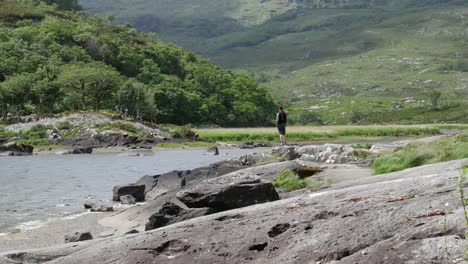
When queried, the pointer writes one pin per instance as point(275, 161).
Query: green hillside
point(333, 62)
point(53, 60)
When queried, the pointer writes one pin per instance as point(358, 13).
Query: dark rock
point(102, 208)
point(137, 191)
point(78, 236)
point(171, 213)
point(247, 145)
point(230, 191)
point(88, 205)
point(278, 229)
point(128, 199)
point(213, 151)
point(16, 149)
point(82, 150)
point(160, 184)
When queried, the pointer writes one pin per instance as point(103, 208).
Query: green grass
point(449, 148)
point(306, 133)
point(290, 181)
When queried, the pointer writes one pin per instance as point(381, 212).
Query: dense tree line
point(54, 60)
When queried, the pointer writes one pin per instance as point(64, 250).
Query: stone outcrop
point(229, 192)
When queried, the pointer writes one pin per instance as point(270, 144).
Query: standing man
point(281, 120)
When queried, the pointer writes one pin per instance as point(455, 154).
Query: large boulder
point(230, 191)
point(16, 149)
point(171, 213)
point(136, 190)
point(160, 184)
point(78, 236)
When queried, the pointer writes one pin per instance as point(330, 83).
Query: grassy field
point(324, 133)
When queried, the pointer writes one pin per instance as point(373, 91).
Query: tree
point(176, 105)
point(90, 84)
point(110, 18)
point(134, 99)
point(434, 96)
point(16, 92)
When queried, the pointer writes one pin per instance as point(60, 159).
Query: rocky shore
point(231, 212)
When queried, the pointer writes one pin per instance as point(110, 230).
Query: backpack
point(282, 118)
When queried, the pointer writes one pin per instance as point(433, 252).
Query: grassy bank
point(450, 148)
point(309, 133)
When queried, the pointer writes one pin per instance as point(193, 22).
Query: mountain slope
point(330, 61)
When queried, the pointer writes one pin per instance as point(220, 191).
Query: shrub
point(290, 181)
point(35, 132)
point(64, 125)
point(183, 132)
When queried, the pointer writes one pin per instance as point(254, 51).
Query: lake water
point(35, 189)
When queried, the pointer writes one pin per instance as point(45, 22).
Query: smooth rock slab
point(230, 191)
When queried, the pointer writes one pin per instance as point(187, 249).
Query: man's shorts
point(282, 129)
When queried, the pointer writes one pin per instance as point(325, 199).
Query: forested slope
point(55, 59)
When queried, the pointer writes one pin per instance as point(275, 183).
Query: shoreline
point(53, 232)
point(56, 149)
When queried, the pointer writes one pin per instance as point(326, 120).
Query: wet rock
point(230, 191)
point(128, 199)
point(137, 191)
point(16, 149)
point(78, 236)
point(213, 151)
